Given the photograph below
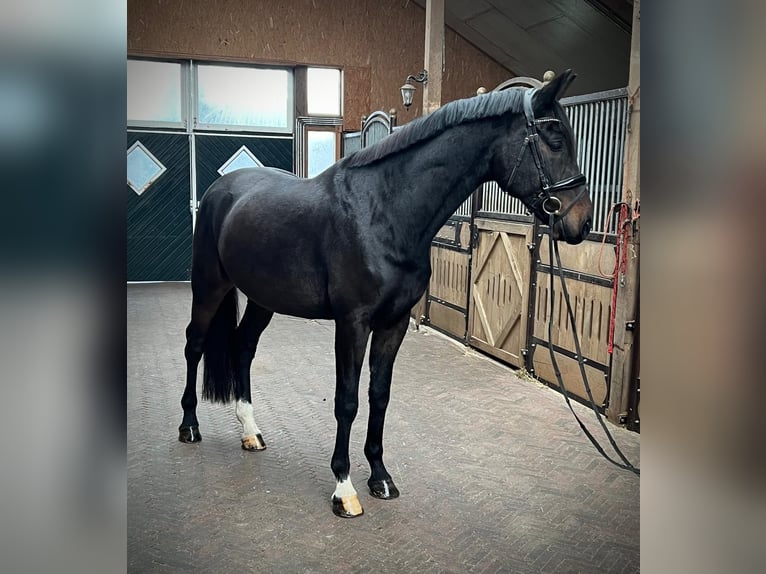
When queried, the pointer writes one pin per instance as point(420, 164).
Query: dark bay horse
point(352, 244)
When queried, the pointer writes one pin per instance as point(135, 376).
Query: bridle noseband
point(543, 201)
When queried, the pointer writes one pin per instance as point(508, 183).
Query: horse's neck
point(434, 180)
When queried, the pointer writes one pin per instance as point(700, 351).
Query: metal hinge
point(622, 418)
point(474, 236)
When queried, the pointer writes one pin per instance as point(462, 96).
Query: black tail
point(219, 379)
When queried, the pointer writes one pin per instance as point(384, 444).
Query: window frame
point(184, 91)
point(162, 167)
point(196, 125)
point(340, 92)
point(300, 142)
point(334, 129)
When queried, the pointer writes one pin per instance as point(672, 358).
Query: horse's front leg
point(385, 345)
point(351, 337)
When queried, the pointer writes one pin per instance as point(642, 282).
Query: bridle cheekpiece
point(543, 201)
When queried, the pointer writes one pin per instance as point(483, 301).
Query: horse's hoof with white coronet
point(252, 443)
point(189, 434)
point(384, 489)
point(347, 507)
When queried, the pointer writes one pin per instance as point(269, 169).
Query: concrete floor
point(494, 472)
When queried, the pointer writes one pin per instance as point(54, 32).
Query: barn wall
point(376, 42)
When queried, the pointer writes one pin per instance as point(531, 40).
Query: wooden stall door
point(446, 307)
point(500, 289)
point(590, 295)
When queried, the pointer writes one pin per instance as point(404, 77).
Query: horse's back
point(270, 238)
point(233, 186)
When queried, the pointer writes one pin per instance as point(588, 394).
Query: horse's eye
point(556, 144)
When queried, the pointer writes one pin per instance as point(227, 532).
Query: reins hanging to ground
point(625, 464)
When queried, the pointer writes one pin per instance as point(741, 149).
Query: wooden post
point(627, 295)
point(300, 77)
point(434, 57)
point(432, 90)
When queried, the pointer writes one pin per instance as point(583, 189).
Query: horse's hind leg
point(253, 322)
point(204, 309)
point(383, 350)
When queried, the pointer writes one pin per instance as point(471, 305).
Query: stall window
point(322, 149)
point(154, 94)
point(324, 92)
point(236, 98)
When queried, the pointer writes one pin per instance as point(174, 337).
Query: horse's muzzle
point(572, 236)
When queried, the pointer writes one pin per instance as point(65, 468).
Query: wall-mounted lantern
point(408, 90)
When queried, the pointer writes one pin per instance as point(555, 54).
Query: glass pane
point(321, 151)
point(242, 97)
point(143, 168)
point(154, 91)
point(242, 158)
point(323, 91)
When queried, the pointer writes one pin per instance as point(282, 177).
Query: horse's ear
point(553, 90)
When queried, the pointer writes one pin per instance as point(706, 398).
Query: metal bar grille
point(352, 142)
point(374, 132)
point(465, 208)
point(599, 123)
point(496, 201)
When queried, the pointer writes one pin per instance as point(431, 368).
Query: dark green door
point(159, 217)
point(214, 152)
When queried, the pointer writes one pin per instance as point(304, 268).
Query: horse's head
point(538, 163)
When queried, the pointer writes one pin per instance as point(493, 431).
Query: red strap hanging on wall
point(620, 267)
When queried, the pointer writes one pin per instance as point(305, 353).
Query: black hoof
point(189, 434)
point(347, 507)
point(385, 489)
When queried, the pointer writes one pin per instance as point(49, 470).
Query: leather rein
point(546, 204)
point(553, 249)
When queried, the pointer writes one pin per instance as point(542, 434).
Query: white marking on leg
point(344, 488)
point(245, 416)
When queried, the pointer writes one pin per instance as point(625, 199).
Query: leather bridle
point(544, 203)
